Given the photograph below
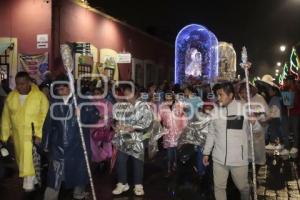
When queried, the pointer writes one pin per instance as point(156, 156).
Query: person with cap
point(62, 140)
point(227, 139)
point(25, 109)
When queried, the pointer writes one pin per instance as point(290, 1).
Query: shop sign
point(124, 58)
point(42, 41)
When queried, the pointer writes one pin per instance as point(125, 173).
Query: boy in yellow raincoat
point(24, 105)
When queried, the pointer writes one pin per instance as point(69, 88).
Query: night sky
point(261, 25)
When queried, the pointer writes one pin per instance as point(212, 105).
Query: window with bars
point(140, 74)
point(4, 65)
point(84, 70)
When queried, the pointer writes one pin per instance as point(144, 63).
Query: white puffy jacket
point(228, 134)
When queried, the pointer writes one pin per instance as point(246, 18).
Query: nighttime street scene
point(149, 100)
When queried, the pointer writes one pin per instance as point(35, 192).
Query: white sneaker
point(138, 190)
point(28, 183)
point(120, 189)
point(284, 152)
point(270, 147)
point(4, 152)
point(293, 150)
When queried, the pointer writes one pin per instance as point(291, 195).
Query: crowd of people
point(123, 122)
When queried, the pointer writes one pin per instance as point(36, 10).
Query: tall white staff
point(246, 65)
point(67, 58)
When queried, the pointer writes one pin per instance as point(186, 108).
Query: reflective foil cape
point(155, 133)
point(195, 133)
point(138, 116)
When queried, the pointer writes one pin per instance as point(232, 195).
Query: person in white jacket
point(227, 139)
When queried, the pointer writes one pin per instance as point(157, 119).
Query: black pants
point(290, 125)
point(138, 169)
point(172, 157)
point(274, 129)
point(1, 170)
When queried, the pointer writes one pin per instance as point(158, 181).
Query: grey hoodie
point(228, 134)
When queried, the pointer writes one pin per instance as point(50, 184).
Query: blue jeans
point(199, 164)
point(138, 169)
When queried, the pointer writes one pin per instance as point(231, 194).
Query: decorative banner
point(85, 60)
point(227, 61)
point(84, 66)
point(108, 64)
point(86, 57)
point(35, 65)
point(196, 54)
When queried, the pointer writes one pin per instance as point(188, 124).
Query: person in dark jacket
point(63, 142)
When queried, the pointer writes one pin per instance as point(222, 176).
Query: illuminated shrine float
point(196, 54)
point(227, 61)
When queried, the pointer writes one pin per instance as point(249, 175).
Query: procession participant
point(25, 108)
point(63, 142)
point(133, 118)
point(227, 139)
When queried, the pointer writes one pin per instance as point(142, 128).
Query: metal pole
point(68, 63)
point(245, 66)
